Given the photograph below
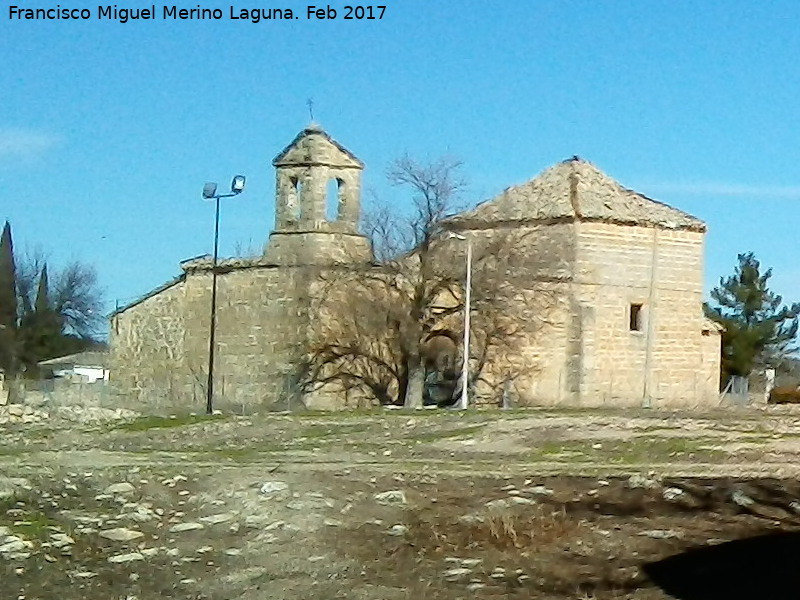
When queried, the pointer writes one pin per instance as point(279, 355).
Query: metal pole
point(464, 402)
point(647, 388)
point(212, 333)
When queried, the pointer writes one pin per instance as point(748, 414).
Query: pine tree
point(8, 303)
point(757, 327)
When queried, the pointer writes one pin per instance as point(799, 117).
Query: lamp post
point(463, 401)
point(210, 193)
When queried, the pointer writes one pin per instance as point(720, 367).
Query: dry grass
point(523, 528)
point(504, 529)
point(455, 527)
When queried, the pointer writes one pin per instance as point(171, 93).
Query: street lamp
point(463, 401)
point(210, 193)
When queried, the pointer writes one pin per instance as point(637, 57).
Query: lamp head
point(209, 190)
point(237, 185)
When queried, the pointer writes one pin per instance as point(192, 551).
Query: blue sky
point(108, 131)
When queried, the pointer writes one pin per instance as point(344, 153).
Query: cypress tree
point(41, 330)
point(42, 299)
point(49, 324)
point(8, 303)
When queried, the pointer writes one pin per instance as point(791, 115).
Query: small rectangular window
point(636, 317)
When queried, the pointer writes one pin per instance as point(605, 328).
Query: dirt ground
point(551, 504)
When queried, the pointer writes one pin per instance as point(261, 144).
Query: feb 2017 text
point(113, 12)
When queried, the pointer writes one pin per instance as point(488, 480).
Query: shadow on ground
point(765, 566)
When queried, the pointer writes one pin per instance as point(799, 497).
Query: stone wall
point(147, 359)
point(261, 326)
point(582, 279)
point(61, 392)
point(160, 346)
point(666, 362)
point(709, 367)
point(540, 365)
point(314, 247)
point(537, 261)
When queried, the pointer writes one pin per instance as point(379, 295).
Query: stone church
point(628, 329)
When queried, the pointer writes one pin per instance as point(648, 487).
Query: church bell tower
point(317, 203)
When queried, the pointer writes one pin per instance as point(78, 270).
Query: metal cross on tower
point(310, 104)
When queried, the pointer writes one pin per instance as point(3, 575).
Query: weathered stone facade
point(626, 326)
point(160, 343)
point(610, 252)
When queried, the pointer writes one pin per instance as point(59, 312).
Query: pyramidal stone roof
point(577, 190)
point(314, 146)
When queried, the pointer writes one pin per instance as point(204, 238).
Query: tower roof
point(313, 146)
point(577, 190)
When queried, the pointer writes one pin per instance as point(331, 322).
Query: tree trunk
point(13, 390)
point(402, 382)
point(416, 383)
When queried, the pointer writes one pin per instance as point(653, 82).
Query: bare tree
point(246, 250)
point(78, 299)
point(73, 293)
point(381, 328)
point(60, 313)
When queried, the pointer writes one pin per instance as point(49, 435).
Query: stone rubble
point(391, 497)
point(120, 534)
point(26, 414)
point(10, 486)
point(123, 487)
point(397, 530)
point(217, 519)
point(661, 534)
point(672, 493)
point(639, 481)
point(181, 527)
point(125, 558)
point(273, 487)
point(61, 540)
point(254, 511)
